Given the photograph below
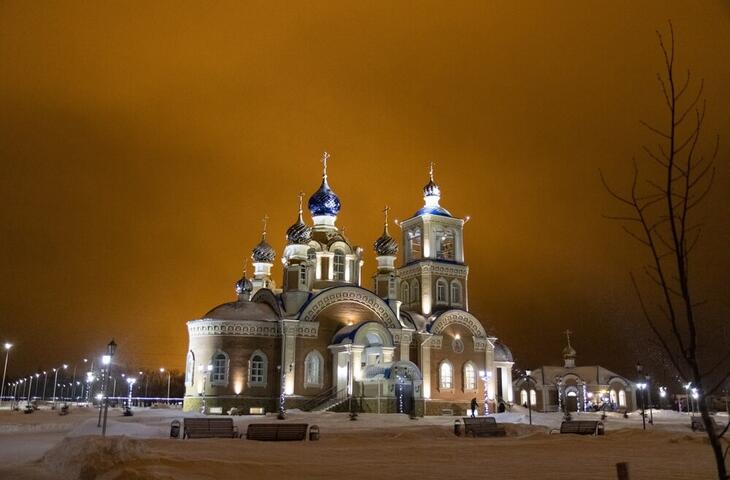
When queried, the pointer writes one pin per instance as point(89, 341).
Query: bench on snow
point(210, 428)
point(483, 427)
point(277, 432)
point(581, 427)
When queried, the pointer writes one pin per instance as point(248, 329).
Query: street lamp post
point(45, 384)
point(528, 378)
point(662, 396)
point(651, 410)
point(111, 349)
point(687, 386)
point(55, 383)
point(7, 346)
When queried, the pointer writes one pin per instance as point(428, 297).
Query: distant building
point(410, 344)
point(574, 388)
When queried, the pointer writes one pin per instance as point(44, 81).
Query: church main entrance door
point(571, 402)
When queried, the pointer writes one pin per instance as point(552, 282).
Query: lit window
point(190, 368)
point(257, 369)
point(405, 293)
point(523, 397)
point(414, 244)
point(219, 374)
point(313, 369)
point(415, 291)
point(613, 397)
point(339, 265)
point(441, 291)
point(621, 398)
point(446, 375)
point(533, 397)
point(445, 245)
point(455, 292)
point(470, 377)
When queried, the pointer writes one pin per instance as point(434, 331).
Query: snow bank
point(85, 458)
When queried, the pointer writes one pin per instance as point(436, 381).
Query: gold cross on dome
point(430, 172)
point(567, 334)
point(301, 198)
point(265, 220)
point(325, 157)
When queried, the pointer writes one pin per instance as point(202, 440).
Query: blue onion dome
point(263, 252)
point(385, 245)
point(244, 285)
point(299, 233)
point(324, 201)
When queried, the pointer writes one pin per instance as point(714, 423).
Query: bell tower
point(433, 273)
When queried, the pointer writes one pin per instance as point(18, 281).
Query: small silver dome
point(244, 285)
point(263, 252)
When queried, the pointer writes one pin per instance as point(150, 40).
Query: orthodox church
point(572, 388)
point(322, 341)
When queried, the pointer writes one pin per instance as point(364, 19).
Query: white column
point(355, 364)
point(289, 355)
point(426, 368)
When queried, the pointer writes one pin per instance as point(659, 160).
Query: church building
point(322, 341)
point(572, 388)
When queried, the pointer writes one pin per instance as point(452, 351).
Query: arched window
point(455, 292)
point(219, 374)
point(414, 244)
point(441, 291)
point(257, 369)
point(533, 397)
point(470, 377)
point(339, 265)
point(612, 397)
point(621, 398)
point(445, 244)
point(190, 368)
point(415, 291)
point(405, 293)
point(313, 369)
point(523, 397)
point(446, 375)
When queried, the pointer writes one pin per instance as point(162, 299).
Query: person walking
point(473, 407)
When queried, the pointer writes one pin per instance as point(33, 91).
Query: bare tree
point(660, 206)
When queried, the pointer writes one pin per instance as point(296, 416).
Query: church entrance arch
point(357, 347)
point(571, 399)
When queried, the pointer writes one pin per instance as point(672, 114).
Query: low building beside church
point(323, 341)
point(574, 388)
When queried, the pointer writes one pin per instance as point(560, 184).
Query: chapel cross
point(430, 172)
point(567, 334)
point(385, 212)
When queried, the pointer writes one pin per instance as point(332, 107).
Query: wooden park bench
point(210, 428)
point(581, 427)
point(277, 432)
point(699, 426)
point(483, 427)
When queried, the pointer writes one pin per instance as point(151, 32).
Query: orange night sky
point(141, 145)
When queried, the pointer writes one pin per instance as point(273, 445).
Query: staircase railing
point(325, 396)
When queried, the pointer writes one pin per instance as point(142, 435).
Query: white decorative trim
point(349, 294)
point(435, 267)
point(459, 317)
point(401, 336)
point(204, 328)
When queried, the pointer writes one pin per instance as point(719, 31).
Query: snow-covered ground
point(44, 445)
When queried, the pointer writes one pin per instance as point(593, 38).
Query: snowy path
point(390, 445)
